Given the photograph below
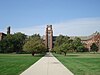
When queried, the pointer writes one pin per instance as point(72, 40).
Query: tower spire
point(8, 30)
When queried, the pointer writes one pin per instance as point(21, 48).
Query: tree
point(34, 45)
point(65, 47)
point(35, 35)
point(12, 43)
point(76, 43)
point(80, 49)
point(94, 47)
point(57, 49)
point(65, 44)
point(60, 40)
point(19, 41)
point(6, 44)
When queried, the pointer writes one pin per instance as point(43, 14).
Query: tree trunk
point(94, 52)
point(65, 53)
point(32, 53)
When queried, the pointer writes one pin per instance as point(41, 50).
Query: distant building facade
point(2, 35)
point(94, 38)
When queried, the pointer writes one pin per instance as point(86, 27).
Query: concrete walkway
point(47, 65)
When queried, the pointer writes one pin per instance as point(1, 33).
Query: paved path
point(47, 65)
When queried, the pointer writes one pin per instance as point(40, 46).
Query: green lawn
point(14, 64)
point(81, 64)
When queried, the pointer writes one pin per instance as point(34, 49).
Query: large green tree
point(65, 44)
point(34, 45)
point(62, 44)
point(76, 43)
point(94, 47)
point(61, 39)
point(12, 43)
point(65, 47)
point(81, 48)
point(6, 45)
point(19, 41)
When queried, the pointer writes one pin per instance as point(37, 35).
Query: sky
point(68, 17)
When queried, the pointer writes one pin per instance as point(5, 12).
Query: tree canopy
point(94, 47)
point(12, 43)
point(65, 44)
point(34, 45)
point(62, 44)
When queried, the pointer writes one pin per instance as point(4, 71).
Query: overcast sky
point(68, 17)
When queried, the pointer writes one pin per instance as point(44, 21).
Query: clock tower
point(49, 37)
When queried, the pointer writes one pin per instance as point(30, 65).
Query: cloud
point(75, 27)
point(31, 30)
point(78, 27)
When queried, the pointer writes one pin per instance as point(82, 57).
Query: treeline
point(64, 44)
point(20, 43)
point(12, 43)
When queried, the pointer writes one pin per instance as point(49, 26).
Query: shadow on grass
point(67, 55)
point(39, 55)
point(72, 55)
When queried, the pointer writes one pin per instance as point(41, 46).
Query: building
point(49, 37)
point(86, 40)
point(2, 35)
point(8, 30)
point(94, 38)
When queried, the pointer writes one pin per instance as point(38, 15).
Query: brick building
point(94, 38)
point(2, 35)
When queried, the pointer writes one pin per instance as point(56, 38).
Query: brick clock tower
point(49, 37)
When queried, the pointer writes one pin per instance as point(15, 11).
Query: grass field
point(14, 64)
point(81, 64)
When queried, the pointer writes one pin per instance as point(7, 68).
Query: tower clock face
point(49, 28)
